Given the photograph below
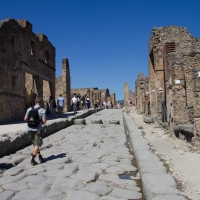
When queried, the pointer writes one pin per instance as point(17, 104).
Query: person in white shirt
point(87, 103)
point(60, 104)
point(74, 103)
point(104, 104)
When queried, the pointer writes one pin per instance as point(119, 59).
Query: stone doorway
point(30, 90)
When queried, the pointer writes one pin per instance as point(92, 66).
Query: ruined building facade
point(174, 79)
point(128, 95)
point(27, 65)
point(95, 94)
point(142, 94)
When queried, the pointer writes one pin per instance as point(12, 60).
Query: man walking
point(74, 103)
point(60, 104)
point(35, 116)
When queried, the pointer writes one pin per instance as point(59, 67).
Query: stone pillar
point(126, 94)
point(66, 84)
point(152, 89)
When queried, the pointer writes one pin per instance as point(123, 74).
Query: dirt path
point(181, 159)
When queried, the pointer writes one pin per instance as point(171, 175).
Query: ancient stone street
point(82, 162)
point(89, 162)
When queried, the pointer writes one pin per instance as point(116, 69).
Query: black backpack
point(34, 118)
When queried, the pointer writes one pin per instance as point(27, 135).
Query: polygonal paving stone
point(73, 166)
point(30, 194)
point(98, 154)
point(127, 167)
point(85, 176)
point(6, 195)
point(102, 166)
point(117, 181)
point(123, 193)
point(91, 169)
point(64, 185)
point(110, 158)
point(17, 186)
point(33, 178)
point(97, 188)
point(115, 170)
point(125, 161)
point(49, 173)
point(13, 171)
point(108, 177)
point(9, 179)
point(53, 166)
point(36, 170)
point(81, 195)
point(17, 159)
point(102, 183)
point(110, 162)
point(43, 185)
point(88, 159)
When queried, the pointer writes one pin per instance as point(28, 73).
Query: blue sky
point(105, 41)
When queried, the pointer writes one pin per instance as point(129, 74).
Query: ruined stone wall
point(132, 96)
point(126, 94)
point(174, 56)
point(81, 92)
point(112, 99)
point(142, 94)
point(63, 85)
point(22, 51)
point(92, 93)
point(104, 94)
point(170, 77)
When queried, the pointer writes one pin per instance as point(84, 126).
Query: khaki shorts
point(36, 138)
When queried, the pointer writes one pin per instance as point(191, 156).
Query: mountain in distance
point(120, 101)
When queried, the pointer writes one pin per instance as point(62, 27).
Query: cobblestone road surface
point(83, 162)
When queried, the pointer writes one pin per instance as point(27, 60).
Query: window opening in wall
point(170, 47)
point(14, 79)
point(32, 48)
point(47, 57)
point(13, 41)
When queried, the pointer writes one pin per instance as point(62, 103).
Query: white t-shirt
point(74, 99)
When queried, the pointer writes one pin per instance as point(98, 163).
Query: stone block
point(169, 197)
point(145, 155)
point(148, 120)
point(151, 167)
point(79, 122)
point(187, 130)
point(6, 146)
point(114, 122)
point(162, 183)
point(97, 121)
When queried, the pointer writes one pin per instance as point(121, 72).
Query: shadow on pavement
point(53, 157)
point(4, 166)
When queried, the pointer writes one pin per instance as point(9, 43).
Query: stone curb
point(157, 183)
point(13, 141)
